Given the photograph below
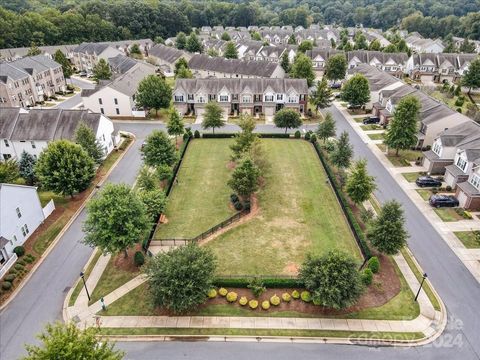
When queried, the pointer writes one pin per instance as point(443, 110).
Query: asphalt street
point(41, 299)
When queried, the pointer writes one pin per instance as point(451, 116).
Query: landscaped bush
point(286, 297)
point(316, 302)
point(306, 296)
point(185, 136)
point(246, 205)
point(232, 296)
point(29, 258)
point(295, 294)
point(459, 101)
point(275, 135)
point(367, 276)
point(448, 188)
point(243, 301)
point(234, 198)
point(212, 293)
point(467, 215)
point(222, 292)
point(10, 277)
point(297, 134)
point(21, 262)
point(307, 136)
point(257, 287)
point(313, 138)
point(217, 136)
point(459, 110)
point(6, 285)
point(19, 267)
point(196, 134)
point(253, 304)
point(267, 282)
point(238, 206)
point(374, 264)
point(275, 300)
point(138, 259)
point(265, 305)
point(19, 250)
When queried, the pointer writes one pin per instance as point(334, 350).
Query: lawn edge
point(49, 249)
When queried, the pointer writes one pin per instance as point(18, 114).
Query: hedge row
point(231, 135)
point(218, 136)
point(357, 230)
point(243, 282)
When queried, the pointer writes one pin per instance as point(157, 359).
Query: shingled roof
point(166, 53)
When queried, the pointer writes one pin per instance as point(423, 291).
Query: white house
point(31, 131)
point(21, 213)
point(117, 97)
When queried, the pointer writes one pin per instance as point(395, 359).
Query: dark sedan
point(371, 120)
point(428, 181)
point(443, 201)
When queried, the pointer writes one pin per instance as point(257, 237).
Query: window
point(117, 110)
point(461, 163)
point(14, 238)
point(33, 144)
point(190, 96)
point(6, 143)
point(115, 100)
point(223, 98)
point(475, 181)
point(26, 229)
point(19, 213)
point(268, 98)
point(201, 99)
point(100, 101)
point(246, 98)
point(292, 99)
point(24, 233)
point(437, 148)
point(279, 97)
point(178, 98)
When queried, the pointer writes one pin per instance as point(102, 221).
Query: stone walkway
point(470, 257)
point(430, 322)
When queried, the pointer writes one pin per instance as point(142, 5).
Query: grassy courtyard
point(200, 200)
point(298, 214)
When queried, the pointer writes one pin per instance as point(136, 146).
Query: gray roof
point(120, 64)
point(366, 56)
point(23, 51)
point(464, 135)
point(166, 53)
point(30, 65)
point(8, 71)
point(44, 124)
point(377, 79)
point(232, 66)
point(91, 48)
point(237, 86)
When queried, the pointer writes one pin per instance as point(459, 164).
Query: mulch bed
point(127, 264)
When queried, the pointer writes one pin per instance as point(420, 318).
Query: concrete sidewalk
point(445, 229)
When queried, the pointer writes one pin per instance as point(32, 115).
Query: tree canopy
point(343, 152)
point(360, 184)
point(67, 68)
point(158, 149)
point(471, 78)
point(85, 137)
point(326, 128)
point(322, 95)
point(101, 71)
point(302, 68)
point(213, 116)
point(356, 90)
point(244, 180)
point(288, 119)
point(153, 93)
point(231, 51)
point(336, 67)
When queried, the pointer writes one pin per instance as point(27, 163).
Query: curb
point(65, 228)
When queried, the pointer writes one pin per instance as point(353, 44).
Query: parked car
point(425, 181)
point(443, 201)
point(371, 120)
point(338, 95)
point(354, 107)
point(335, 86)
point(83, 74)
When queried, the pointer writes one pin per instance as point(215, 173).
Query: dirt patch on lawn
point(231, 165)
point(127, 264)
point(291, 268)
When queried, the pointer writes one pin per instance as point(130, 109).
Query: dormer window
point(279, 97)
point(475, 181)
point(223, 98)
point(268, 98)
point(437, 148)
point(461, 163)
point(178, 98)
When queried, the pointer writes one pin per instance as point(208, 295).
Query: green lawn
point(299, 213)
point(379, 136)
point(371, 127)
point(46, 196)
point(448, 214)
point(468, 239)
point(404, 156)
point(412, 176)
point(79, 284)
point(201, 198)
point(424, 193)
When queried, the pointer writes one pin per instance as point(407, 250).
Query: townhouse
point(86, 55)
point(419, 44)
point(235, 96)
point(166, 57)
point(12, 54)
point(217, 45)
point(116, 98)
point(430, 68)
point(29, 80)
point(434, 116)
point(319, 58)
point(21, 213)
point(205, 66)
point(31, 131)
point(392, 63)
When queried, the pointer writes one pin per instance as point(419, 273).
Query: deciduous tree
point(356, 90)
point(34, 50)
point(159, 149)
point(231, 51)
point(181, 40)
point(116, 219)
point(285, 62)
point(153, 93)
point(213, 116)
point(305, 45)
point(155, 202)
point(180, 279)
point(244, 139)
point(333, 279)
point(288, 119)
point(326, 128)
point(244, 180)
point(85, 137)
point(65, 168)
point(471, 78)
point(336, 67)
point(147, 179)
point(342, 154)
point(360, 185)
point(175, 124)
point(67, 68)
point(302, 68)
point(225, 36)
point(193, 44)
point(387, 232)
point(101, 71)
point(9, 171)
point(322, 95)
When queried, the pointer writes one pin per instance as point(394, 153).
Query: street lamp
point(421, 284)
point(82, 275)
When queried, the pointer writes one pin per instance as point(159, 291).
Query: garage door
point(462, 199)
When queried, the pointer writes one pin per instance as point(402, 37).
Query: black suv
point(443, 201)
point(371, 120)
point(425, 181)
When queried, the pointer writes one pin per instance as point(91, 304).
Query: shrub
point(467, 215)
point(29, 258)
point(222, 292)
point(238, 206)
point(10, 277)
point(139, 259)
point(448, 188)
point(459, 110)
point(243, 301)
point(212, 293)
point(234, 198)
point(374, 264)
point(367, 276)
point(275, 300)
point(295, 294)
point(257, 287)
point(316, 301)
point(246, 205)
point(297, 134)
point(196, 134)
point(253, 304)
point(21, 262)
point(232, 296)
point(19, 250)
point(459, 102)
point(286, 297)
point(185, 136)
point(19, 267)
point(12, 271)
point(307, 135)
point(306, 296)
point(265, 305)
point(313, 138)
point(6, 285)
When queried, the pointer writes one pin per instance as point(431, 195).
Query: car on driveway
point(354, 107)
point(443, 201)
point(371, 120)
point(427, 181)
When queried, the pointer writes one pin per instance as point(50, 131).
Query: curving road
point(41, 299)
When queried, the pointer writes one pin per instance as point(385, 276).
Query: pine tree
point(360, 185)
point(101, 71)
point(26, 167)
point(231, 51)
point(285, 63)
point(85, 137)
point(402, 130)
point(326, 128)
point(322, 95)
